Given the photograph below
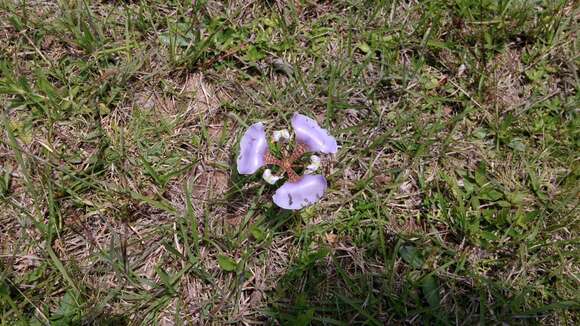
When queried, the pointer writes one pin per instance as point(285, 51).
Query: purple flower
point(299, 191)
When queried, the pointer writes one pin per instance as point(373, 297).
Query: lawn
point(453, 197)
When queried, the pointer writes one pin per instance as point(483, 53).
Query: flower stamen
point(286, 163)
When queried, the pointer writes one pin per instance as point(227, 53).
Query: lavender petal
point(253, 146)
point(296, 195)
point(312, 135)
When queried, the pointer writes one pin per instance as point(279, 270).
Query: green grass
point(453, 198)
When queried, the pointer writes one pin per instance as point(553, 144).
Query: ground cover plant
point(452, 199)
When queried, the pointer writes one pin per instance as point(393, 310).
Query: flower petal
point(310, 133)
point(253, 147)
point(313, 166)
point(269, 177)
point(296, 195)
point(281, 134)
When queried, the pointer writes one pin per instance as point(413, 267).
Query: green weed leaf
point(411, 256)
point(227, 264)
point(430, 289)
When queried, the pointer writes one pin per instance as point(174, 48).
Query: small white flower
point(281, 134)
point(461, 70)
point(269, 177)
point(314, 165)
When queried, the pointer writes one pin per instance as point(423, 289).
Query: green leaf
point(36, 274)
point(504, 203)
point(304, 319)
point(515, 198)
point(411, 256)
point(475, 203)
point(179, 40)
point(67, 310)
point(16, 22)
point(166, 279)
point(520, 218)
point(480, 133)
point(489, 236)
point(517, 145)
point(453, 185)
point(534, 182)
point(226, 263)
point(253, 54)
point(364, 47)
point(5, 183)
point(490, 194)
point(258, 233)
point(468, 186)
point(437, 44)
point(534, 74)
point(480, 176)
point(4, 290)
point(430, 289)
